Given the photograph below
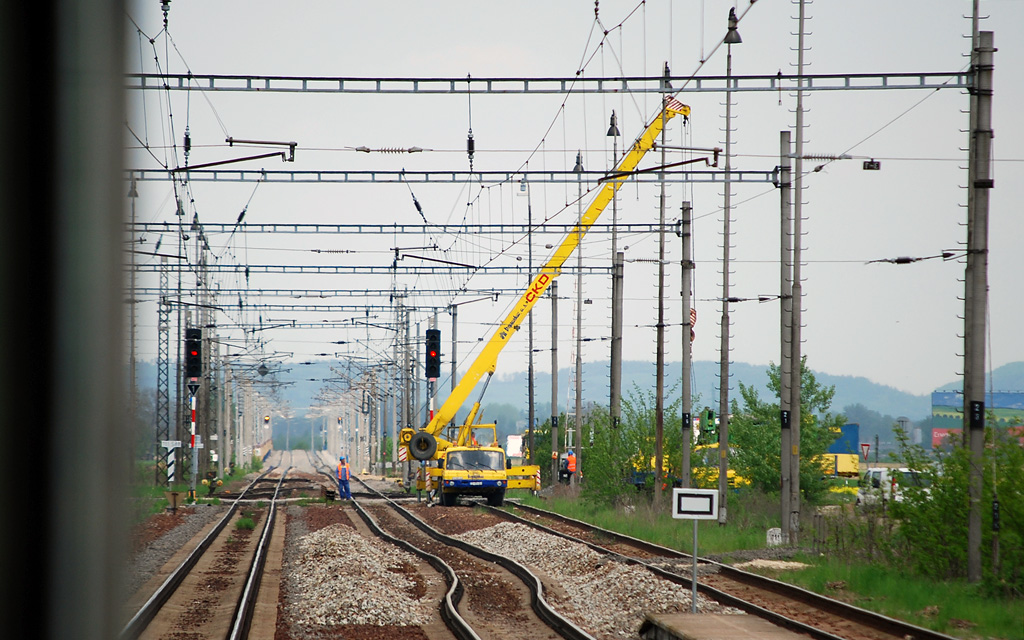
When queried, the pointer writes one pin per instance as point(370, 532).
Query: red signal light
point(193, 349)
point(432, 365)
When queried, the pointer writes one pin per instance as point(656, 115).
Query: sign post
point(695, 504)
point(170, 445)
point(193, 387)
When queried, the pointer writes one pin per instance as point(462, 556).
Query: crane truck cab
point(473, 471)
point(476, 467)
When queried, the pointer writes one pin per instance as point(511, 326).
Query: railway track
point(484, 576)
point(213, 591)
point(780, 603)
point(488, 596)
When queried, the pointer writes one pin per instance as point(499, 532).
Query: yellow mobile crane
point(465, 467)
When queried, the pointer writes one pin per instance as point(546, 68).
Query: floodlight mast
point(428, 445)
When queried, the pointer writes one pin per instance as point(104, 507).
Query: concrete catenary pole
point(785, 313)
point(455, 345)
point(686, 294)
point(796, 379)
point(407, 405)
point(553, 292)
point(531, 411)
point(659, 356)
point(419, 407)
point(579, 321)
point(976, 302)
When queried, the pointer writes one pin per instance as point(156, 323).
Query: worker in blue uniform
point(343, 477)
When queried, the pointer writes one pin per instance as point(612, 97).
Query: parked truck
point(843, 456)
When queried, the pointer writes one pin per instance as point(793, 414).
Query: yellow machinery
point(427, 443)
point(705, 468)
point(477, 468)
point(844, 465)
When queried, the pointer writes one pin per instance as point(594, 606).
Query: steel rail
point(452, 598)
point(448, 609)
point(715, 594)
point(560, 625)
point(247, 601)
point(853, 613)
point(148, 611)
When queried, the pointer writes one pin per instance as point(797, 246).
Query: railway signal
point(193, 353)
point(432, 363)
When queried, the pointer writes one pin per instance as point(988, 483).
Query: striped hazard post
point(403, 453)
point(170, 445)
point(536, 480)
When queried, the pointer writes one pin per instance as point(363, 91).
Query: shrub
point(937, 517)
point(245, 523)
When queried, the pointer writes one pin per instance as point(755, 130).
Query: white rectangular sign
point(170, 444)
point(695, 504)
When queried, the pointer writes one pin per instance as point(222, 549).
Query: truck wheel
point(422, 446)
point(448, 499)
point(496, 499)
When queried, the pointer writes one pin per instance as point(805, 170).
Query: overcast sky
point(895, 324)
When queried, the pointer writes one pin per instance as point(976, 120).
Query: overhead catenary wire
point(474, 244)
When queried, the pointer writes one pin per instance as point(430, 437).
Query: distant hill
point(1009, 377)
point(511, 388)
point(304, 381)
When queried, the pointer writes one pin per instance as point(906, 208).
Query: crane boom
point(487, 359)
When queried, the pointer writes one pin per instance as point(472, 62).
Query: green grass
point(245, 523)
point(933, 605)
point(148, 499)
point(645, 523)
point(928, 604)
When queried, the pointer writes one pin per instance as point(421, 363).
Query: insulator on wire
point(389, 150)
point(470, 147)
point(825, 157)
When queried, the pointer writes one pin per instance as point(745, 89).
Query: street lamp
point(615, 382)
point(732, 37)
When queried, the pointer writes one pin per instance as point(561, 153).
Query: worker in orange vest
point(343, 477)
point(570, 466)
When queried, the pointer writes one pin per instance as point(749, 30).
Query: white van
point(882, 483)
